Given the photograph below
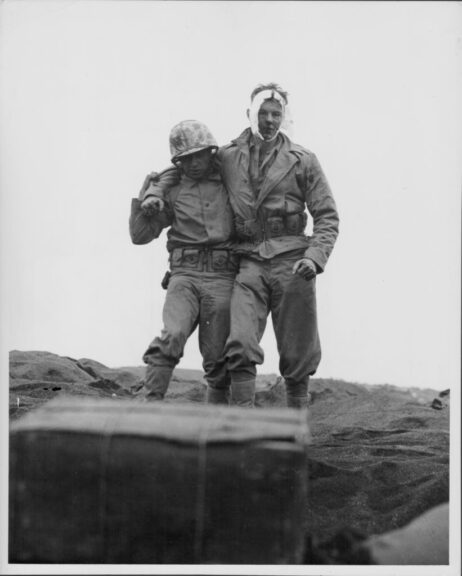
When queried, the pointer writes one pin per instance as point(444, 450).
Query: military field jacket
point(294, 181)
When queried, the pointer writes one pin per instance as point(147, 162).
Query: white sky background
point(90, 91)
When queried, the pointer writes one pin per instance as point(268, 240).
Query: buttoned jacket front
point(197, 213)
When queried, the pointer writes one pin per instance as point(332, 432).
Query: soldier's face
point(269, 118)
point(197, 165)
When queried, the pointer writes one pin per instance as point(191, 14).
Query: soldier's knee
point(174, 343)
point(241, 354)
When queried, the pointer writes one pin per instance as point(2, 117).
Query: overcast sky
point(90, 93)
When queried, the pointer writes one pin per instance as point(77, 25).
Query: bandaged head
point(258, 97)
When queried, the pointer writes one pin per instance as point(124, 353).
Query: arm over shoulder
point(158, 184)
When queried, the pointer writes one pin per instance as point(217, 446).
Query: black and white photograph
point(230, 249)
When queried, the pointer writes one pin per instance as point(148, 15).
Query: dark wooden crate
point(120, 482)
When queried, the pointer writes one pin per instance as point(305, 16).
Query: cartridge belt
point(204, 259)
point(257, 230)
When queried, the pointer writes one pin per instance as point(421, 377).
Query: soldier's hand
point(152, 205)
point(305, 268)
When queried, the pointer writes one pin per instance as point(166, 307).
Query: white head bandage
point(259, 98)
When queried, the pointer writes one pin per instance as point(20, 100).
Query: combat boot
point(297, 394)
point(217, 396)
point(298, 401)
point(243, 392)
point(156, 382)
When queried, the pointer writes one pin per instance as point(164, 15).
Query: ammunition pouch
point(265, 228)
point(204, 259)
point(246, 229)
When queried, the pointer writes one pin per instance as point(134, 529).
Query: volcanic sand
point(379, 456)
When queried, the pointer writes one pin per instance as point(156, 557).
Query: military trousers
point(194, 299)
point(269, 287)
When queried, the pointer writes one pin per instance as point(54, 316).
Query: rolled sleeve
point(145, 228)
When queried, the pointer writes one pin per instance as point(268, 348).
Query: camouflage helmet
point(190, 136)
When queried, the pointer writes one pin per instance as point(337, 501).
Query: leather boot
point(297, 394)
point(156, 382)
point(299, 402)
point(217, 396)
point(243, 393)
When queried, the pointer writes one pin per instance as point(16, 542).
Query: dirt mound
point(379, 458)
point(46, 367)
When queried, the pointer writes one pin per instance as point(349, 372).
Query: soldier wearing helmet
point(272, 183)
point(200, 239)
